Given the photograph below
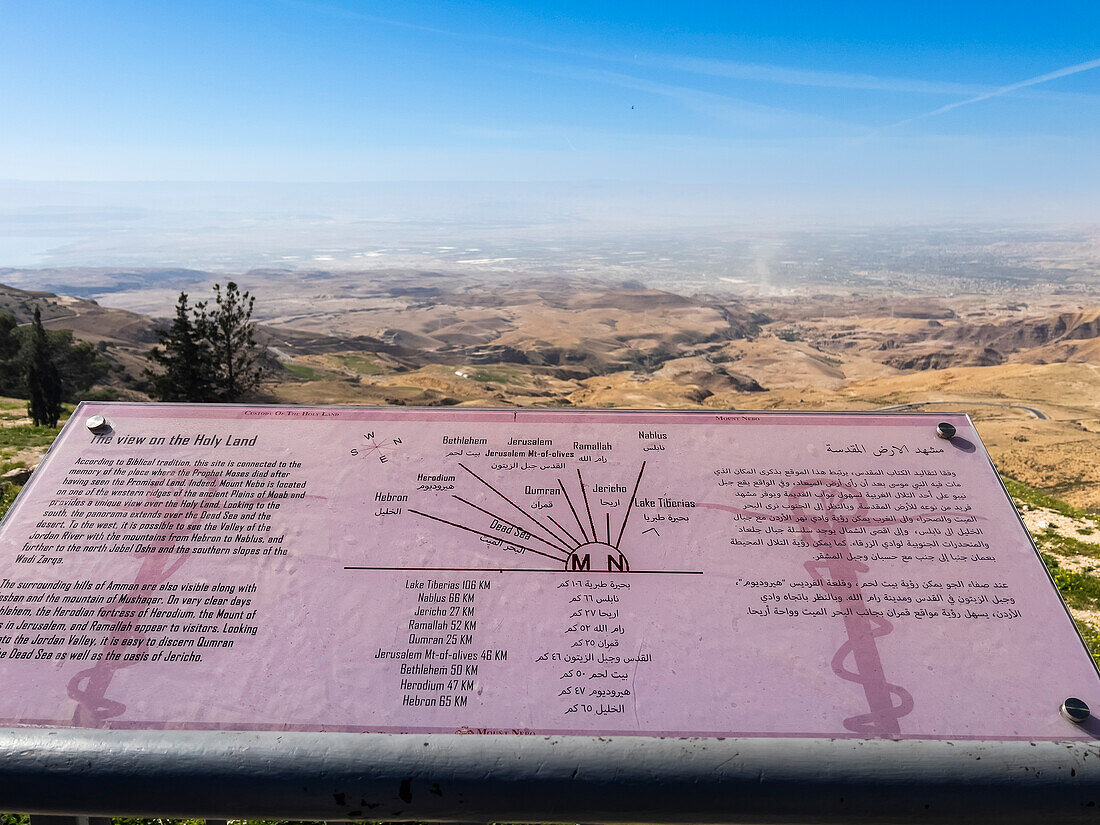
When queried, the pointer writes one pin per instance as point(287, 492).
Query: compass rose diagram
point(588, 539)
point(372, 447)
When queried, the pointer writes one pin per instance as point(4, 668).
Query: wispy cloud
point(1004, 90)
point(732, 110)
point(789, 76)
point(350, 14)
point(729, 107)
point(762, 72)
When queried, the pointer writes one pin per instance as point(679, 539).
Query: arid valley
point(1017, 348)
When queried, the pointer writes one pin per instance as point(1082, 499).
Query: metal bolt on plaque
point(1074, 710)
point(945, 430)
point(98, 424)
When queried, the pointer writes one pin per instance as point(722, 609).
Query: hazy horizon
point(559, 115)
point(227, 227)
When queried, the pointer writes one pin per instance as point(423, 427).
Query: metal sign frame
point(71, 772)
point(451, 777)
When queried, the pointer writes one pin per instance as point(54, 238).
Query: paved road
point(75, 314)
point(1037, 413)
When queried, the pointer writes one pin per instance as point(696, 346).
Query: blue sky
point(869, 98)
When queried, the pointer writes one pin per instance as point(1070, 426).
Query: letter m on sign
point(580, 563)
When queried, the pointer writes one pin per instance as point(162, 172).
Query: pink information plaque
point(529, 572)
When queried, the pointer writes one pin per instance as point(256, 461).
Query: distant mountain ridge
point(86, 281)
point(1051, 338)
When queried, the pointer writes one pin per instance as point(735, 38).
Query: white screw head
point(98, 424)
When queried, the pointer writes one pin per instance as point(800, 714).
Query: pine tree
point(43, 380)
point(185, 356)
point(9, 338)
point(231, 334)
point(11, 374)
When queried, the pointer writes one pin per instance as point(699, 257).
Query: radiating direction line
point(541, 526)
point(566, 546)
point(524, 529)
point(575, 542)
point(569, 501)
point(487, 535)
point(629, 505)
point(588, 509)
